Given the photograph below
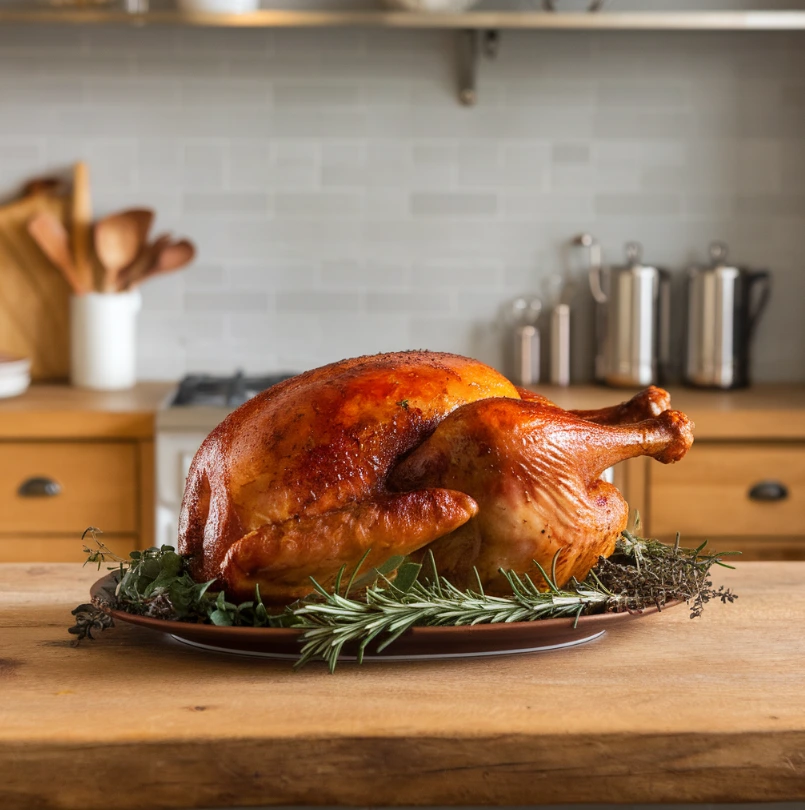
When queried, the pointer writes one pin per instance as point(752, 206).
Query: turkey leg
point(651, 401)
point(282, 557)
point(534, 472)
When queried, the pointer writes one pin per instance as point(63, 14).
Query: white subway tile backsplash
point(159, 164)
point(313, 205)
point(570, 152)
point(318, 96)
point(364, 275)
point(203, 165)
point(457, 274)
point(555, 205)
point(225, 301)
point(224, 92)
point(314, 123)
point(274, 275)
point(637, 205)
point(320, 301)
point(458, 204)
point(404, 302)
point(204, 277)
point(369, 333)
point(163, 295)
point(228, 204)
point(257, 164)
point(343, 202)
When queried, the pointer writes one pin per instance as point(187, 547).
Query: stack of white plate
point(15, 375)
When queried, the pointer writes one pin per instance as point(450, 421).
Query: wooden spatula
point(49, 233)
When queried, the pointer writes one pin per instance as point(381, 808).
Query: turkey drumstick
point(651, 401)
point(534, 471)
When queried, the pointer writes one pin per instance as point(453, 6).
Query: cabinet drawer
point(95, 485)
point(708, 493)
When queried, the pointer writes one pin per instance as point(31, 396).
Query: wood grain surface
point(667, 709)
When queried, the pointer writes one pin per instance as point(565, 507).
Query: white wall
point(344, 203)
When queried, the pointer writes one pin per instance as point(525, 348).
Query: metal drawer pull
point(39, 487)
point(768, 491)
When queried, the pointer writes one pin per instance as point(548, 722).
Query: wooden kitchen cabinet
point(746, 496)
point(71, 459)
point(743, 439)
point(100, 447)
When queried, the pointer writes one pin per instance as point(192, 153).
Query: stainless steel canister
point(724, 304)
point(523, 316)
point(633, 320)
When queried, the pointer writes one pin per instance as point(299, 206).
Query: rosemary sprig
point(640, 574)
point(387, 610)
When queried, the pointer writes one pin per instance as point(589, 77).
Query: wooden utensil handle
point(82, 226)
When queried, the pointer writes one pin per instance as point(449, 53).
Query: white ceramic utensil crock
point(103, 340)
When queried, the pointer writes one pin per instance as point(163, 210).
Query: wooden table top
point(664, 709)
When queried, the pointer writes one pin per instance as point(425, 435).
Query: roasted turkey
point(405, 452)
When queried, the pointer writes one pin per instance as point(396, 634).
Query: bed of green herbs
point(378, 606)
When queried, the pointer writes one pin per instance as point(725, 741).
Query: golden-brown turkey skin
point(317, 443)
point(534, 471)
point(390, 453)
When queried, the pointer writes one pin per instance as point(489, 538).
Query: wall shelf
point(476, 31)
point(475, 20)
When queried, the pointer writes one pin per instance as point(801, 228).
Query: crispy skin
point(393, 452)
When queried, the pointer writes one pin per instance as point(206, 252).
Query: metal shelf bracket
point(468, 44)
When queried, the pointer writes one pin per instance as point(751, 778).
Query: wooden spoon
point(131, 275)
point(168, 257)
point(119, 240)
point(175, 255)
point(49, 233)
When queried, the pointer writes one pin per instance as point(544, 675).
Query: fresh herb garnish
point(401, 594)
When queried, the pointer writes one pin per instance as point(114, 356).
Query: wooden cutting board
point(34, 298)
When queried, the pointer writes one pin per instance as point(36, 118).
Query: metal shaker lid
point(718, 262)
point(634, 261)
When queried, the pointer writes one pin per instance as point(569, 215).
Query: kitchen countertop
point(61, 412)
point(761, 412)
point(663, 709)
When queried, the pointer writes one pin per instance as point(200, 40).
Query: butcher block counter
point(661, 709)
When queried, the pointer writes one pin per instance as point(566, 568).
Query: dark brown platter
point(418, 643)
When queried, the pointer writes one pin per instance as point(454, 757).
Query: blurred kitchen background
point(337, 199)
point(343, 202)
